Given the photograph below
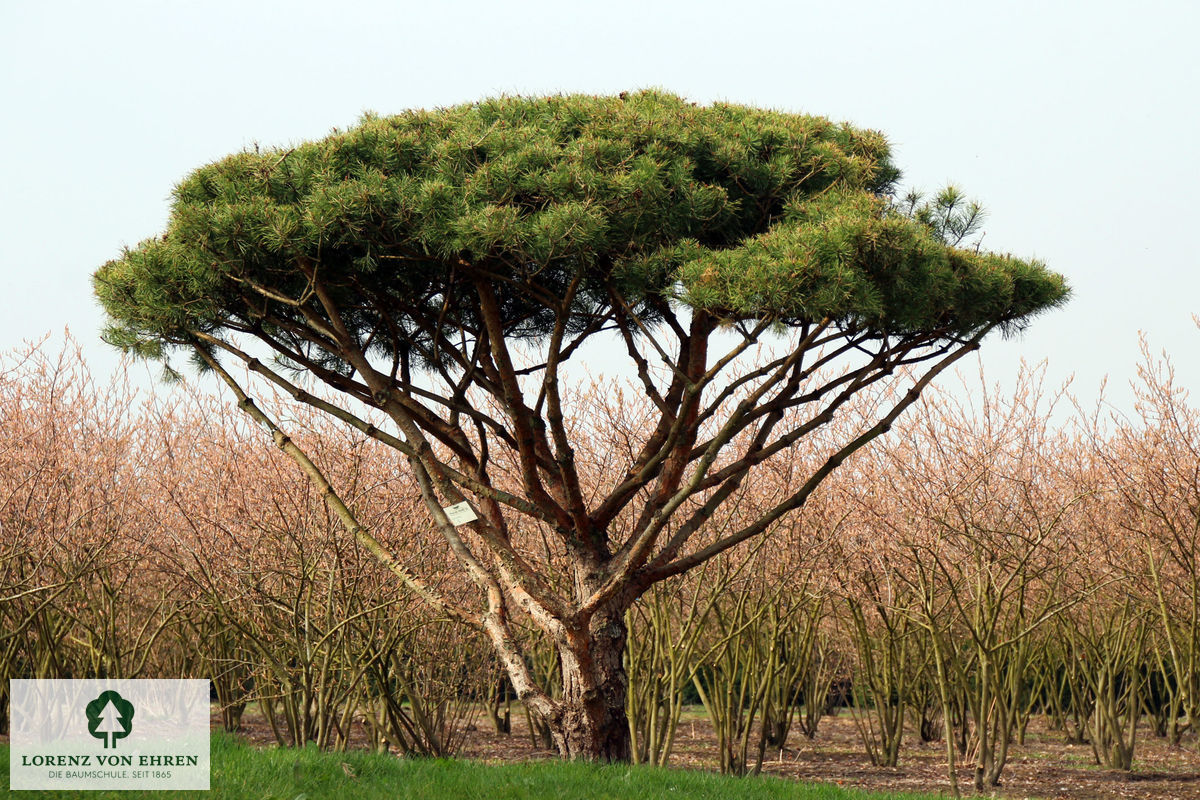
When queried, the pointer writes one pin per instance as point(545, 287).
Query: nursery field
point(985, 602)
point(648, 435)
point(830, 766)
point(241, 771)
point(1044, 767)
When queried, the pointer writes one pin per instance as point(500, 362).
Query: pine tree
point(409, 262)
point(110, 723)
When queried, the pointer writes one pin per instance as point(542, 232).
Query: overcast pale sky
point(1077, 125)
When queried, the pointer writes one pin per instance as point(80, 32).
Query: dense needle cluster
point(743, 212)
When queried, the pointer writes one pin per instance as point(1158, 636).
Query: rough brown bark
point(591, 723)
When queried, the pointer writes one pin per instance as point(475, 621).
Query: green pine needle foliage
point(743, 212)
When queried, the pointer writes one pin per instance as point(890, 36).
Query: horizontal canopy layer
point(743, 212)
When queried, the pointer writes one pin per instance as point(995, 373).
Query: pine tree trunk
point(592, 724)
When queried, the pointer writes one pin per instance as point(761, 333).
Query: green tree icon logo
point(110, 717)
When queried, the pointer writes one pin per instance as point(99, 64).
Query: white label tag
point(460, 513)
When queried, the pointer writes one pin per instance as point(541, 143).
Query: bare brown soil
point(1045, 767)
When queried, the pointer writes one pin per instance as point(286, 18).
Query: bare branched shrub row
point(990, 560)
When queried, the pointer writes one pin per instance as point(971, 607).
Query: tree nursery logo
point(110, 717)
point(110, 735)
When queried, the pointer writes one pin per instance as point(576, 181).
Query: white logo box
point(109, 734)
